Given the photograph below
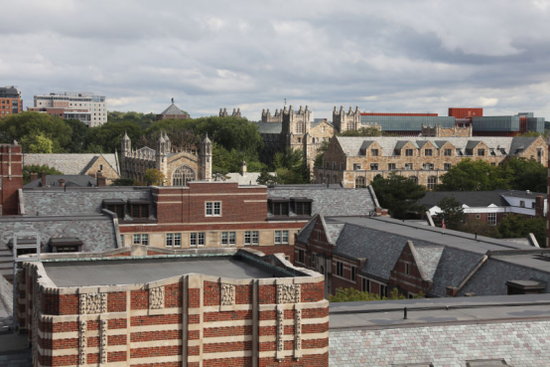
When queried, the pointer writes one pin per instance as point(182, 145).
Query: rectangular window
point(383, 290)
point(522, 204)
point(374, 152)
point(247, 238)
point(407, 270)
point(285, 236)
point(428, 152)
point(277, 237)
point(356, 166)
point(446, 166)
point(301, 256)
point(225, 238)
point(140, 210)
point(374, 166)
point(281, 237)
point(408, 152)
point(492, 219)
point(213, 208)
point(137, 239)
point(232, 238)
point(196, 239)
point(366, 285)
point(122, 239)
point(169, 239)
point(408, 166)
point(391, 166)
point(145, 239)
point(353, 271)
point(177, 239)
point(339, 268)
point(255, 237)
point(428, 166)
point(448, 152)
point(302, 208)
point(280, 208)
point(481, 152)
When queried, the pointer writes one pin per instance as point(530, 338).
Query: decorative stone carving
point(288, 293)
point(103, 342)
point(82, 326)
point(297, 333)
point(228, 295)
point(280, 333)
point(156, 298)
point(90, 303)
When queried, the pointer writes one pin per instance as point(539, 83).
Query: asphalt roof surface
point(72, 274)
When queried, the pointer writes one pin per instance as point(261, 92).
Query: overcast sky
point(383, 56)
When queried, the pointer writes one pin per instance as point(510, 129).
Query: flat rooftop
point(120, 271)
point(438, 311)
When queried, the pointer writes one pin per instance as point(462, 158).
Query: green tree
point(123, 182)
point(469, 175)
point(354, 295)
point(36, 168)
point(320, 153)
point(526, 174)
point(153, 176)
point(109, 136)
point(451, 211)
point(77, 144)
point(399, 195)
point(291, 167)
point(267, 179)
point(518, 226)
point(37, 143)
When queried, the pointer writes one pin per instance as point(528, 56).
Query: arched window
point(360, 182)
point(350, 126)
point(182, 176)
point(300, 128)
point(432, 181)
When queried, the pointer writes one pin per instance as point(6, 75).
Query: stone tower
point(346, 121)
point(295, 123)
point(126, 149)
point(206, 159)
point(161, 156)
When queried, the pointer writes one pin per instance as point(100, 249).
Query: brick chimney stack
point(43, 178)
point(539, 206)
point(34, 176)
point(62, 183)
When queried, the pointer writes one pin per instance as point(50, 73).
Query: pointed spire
point(126, 137)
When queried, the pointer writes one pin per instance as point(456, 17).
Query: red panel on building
point(466, 112)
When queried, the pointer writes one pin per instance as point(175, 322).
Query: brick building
point(10, 101)
point(11, 178)
point(377, 254)
point(220, 308)
point(84, 106)
point(355, 161)
point(173, 112)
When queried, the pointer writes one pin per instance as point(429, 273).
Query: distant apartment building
point(10, 101)
point(86, 107)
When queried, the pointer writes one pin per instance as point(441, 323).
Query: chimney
point(62, 183)
point(34, 176)
point(244, 169)
point(43, 178)
point(101, 180)
point(451, 291)
point(539, 206)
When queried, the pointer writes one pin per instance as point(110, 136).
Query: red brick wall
point(11, 171)
point(411, 282)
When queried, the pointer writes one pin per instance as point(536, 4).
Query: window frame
point(408, 152)
point(492, 219)
point(428, 152)
point(212, 208)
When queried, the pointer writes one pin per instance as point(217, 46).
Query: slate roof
point(331, 201)
point(270, 127)
point(70, 181)
point(251, 178)
point(511, 145)
point(70, 163)
point(445, 257)
point(173, 110)
point(470, 198)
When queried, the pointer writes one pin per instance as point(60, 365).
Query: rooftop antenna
point(285, 102)
point(172, 100)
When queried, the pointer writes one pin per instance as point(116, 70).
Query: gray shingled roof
point(329, 201)
point(428, 259)
point(470, 198)
point(70, 163)
point(352, 145)
point(270, 127)
point(173, 110)
point(70, 180)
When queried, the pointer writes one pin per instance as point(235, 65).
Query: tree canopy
point(470, 175)
point(36, 168)
point(451, 211)
point(526, 174)
point(399, 195)
point(518, 226)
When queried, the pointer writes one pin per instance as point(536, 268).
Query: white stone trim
point(305, 352)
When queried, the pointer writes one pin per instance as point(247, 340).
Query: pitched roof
point(173, 110)
point(270, 127)
point(70, 163)
point(70, 180)
point(469, 198)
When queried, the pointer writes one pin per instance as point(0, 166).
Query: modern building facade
point(84, 106)
point(355, 161)
point(10, 101)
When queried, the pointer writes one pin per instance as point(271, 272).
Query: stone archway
point(182, 175)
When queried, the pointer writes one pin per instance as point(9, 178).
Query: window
point(353, 271)
point(408, 166)
point(302, 207)
point(432, 181)
point(279, 207)
point(213, 208)
point(383, 290)
point(229, 238)
point(533, 205)
point(481, 152)
point(446, 166)
point(334, 164)
point(281, 237)
point(326, 165)
point(360, 182)
point(141, 239)
point(428, 166)
point(448, 152)
point(522, 204)
point(408, 152)
point(122, 239)
point(391, 166)
point(365, 285)
point(492, 219)
point(251, 237)
point(428, 152)
point(407, 269)
point(196, 239)
point(117, 206)
point(299, 140)
point(374, 152)
point(301, 256)
point(169, 239)
point(341, 166)
point(339, 268)
point(139, 208)
point(414, 179)
point(356, 166)
point(374, 166)
point(177, 239)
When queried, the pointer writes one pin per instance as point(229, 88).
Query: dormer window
point(408, 152)
point(374, 152)
point(279, 206)
point(428, 152)
point(302, 206)
point(481, 152)
point(117, 206)
point(140, 209)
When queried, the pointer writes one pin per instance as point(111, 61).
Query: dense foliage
point(451, 212)
point(399, 195)
point(36, 168)
point(518, 226)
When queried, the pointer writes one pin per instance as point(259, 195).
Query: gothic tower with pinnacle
point(206, 159)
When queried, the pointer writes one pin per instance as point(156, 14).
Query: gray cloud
point(382, 56)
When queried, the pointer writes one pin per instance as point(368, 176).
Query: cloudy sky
point(383, 56)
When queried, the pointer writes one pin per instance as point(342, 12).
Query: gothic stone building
point(180, 308)
point(290, 129)
point(355, 161)
point(178, 168)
